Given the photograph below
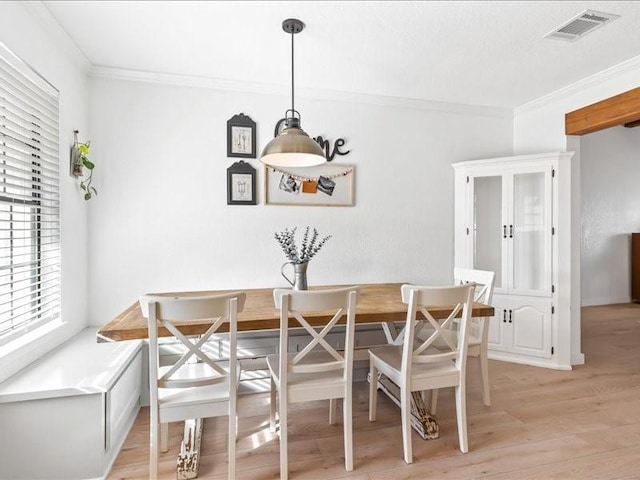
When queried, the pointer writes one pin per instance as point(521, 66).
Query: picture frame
point(325, 185)
point(241, 136)
point(241, 184)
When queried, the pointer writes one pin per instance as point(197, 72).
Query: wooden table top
point(377, 303)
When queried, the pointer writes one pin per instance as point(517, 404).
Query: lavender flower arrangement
point(308, 249)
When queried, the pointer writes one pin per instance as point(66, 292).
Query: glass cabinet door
point(487, 225)
point(531, 241)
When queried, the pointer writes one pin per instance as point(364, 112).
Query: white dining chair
point(479, 331)
point(318, 371)
point(416, 366)
point(189, 389)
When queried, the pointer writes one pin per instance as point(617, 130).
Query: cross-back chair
point(416, 365)
point(479, 331)
point(319, 371)
point(206, 387)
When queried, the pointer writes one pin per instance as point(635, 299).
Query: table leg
point(421, 420)
point(189, 457)
point(164, 437)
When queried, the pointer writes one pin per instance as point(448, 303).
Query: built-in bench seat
point(67, 414)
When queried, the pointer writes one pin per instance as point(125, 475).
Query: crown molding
point(311, 93)
point(632, 63)
point(41, 14)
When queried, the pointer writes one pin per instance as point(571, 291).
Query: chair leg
point(233, 432)
point(282, 410)
point(164, 437)
point(433, 403)
point(405, 413)
point(347, 420)
point(484, 374)
point(461, 417)
point(153, 445)
point(332, 411)
point(373, 392)
point(272, 406)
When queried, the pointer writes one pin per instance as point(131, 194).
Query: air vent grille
point(579, 26)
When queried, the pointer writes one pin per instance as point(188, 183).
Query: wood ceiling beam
point(622, 109)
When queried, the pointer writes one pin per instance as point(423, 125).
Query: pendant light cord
point(292, 78)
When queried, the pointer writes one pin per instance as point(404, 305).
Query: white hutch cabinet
point(507, 220)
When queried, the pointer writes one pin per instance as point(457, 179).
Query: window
point(29, 199)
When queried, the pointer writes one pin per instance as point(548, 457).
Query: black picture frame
point(241, 136)
point(241, 184)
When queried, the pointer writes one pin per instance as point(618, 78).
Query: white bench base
point(67, 414)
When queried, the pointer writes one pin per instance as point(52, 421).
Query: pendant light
point(292, 147)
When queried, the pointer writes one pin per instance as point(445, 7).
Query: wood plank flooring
point(542, 424)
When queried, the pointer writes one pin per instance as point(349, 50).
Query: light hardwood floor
point(542, 424)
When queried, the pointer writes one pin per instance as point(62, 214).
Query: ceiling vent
point(579, 26)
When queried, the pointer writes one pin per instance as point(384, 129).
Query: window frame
point(29, 218)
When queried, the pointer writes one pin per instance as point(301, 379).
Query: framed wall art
point(326, 185)
point(241, 136)
point(241, 184)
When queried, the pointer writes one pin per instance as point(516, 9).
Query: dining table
point(378, 303)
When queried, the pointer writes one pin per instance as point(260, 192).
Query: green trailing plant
point(309, 247)
point(82, 160)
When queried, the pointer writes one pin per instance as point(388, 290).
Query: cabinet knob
point(504, 231)
point(510, 316)
point(510, 231)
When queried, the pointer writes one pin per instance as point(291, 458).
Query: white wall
point(539, 127)
point(25, 31)
point(161, 221)
point(610, 213)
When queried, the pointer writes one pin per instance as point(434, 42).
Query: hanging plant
point(79, 162)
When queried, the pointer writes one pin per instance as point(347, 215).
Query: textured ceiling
point(477, 52)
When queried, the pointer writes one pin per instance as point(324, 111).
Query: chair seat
point(389, 361)
point(170, 397)
point(307, 386)
point(173, 397)
point(201, 400)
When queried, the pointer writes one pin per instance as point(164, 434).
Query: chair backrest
point(483, 279)
point(333, 304)
point(483, 294)
point(450, 348)
point(167, 312)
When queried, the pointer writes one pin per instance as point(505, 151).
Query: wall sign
point(326, 146)
point(241, 184)
point(241, 136)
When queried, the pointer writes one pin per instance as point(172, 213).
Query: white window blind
point(29, 199)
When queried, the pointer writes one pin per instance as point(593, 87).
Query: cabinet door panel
point(532, 328)
point(521, 325)
point(530, 233)
point(498, 331)
point(488, 225)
